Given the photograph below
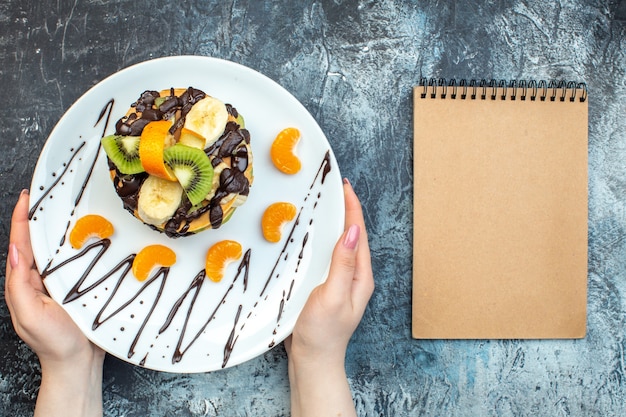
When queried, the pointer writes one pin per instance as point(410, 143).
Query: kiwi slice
point(124, 152)
point(192, 169)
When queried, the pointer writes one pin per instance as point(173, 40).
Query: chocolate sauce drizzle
point(230, 343)
point(108, 108)
point(56, 182)
point(124, 266)
point(195, 286)
point(94, 254)
point(323, 170)
point(274, 275)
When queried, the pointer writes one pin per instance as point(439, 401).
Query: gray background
point(352, 64)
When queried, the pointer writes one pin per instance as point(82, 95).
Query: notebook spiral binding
point(532, 89)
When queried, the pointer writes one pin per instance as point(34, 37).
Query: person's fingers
point(20, 237)
point(354, 212)
point(22, 298)
point(13, 251)
point(354, 215)
point(21, 288)
point(338, 286)
point(363, 279)
point(12, 259)
point(20, 234)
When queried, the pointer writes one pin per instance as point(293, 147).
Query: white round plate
point(172, 321)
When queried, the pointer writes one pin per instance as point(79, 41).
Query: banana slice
point(207, 118)
point(239, 200)
point(158, 200)
point(217, 170)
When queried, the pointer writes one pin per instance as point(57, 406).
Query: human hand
point(71, 365)
point(317, 347)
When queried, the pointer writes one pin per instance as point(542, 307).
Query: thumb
point(343, 263)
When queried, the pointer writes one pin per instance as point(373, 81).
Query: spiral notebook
point(500, 210)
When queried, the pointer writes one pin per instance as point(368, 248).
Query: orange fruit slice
point(191, 138)
point(219, 256)
point(151, 256)
point(155, 137)
point(283, 149)
point(87, 227)
point(274, 217)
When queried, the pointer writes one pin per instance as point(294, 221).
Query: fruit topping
point(173, 104)
point(90, 226)
point(283, 149)
point(207, 119)
point(219, 256)
point(124, 152)
point(240, 121)
point(274, 218)
point(193, 170)
point(195, 142)
point(155, 138)
point(158, 200)
point(191, 138)
point(150, 257)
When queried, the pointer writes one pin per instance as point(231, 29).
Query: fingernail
point(347, 182)
point(351, 238)
point(14, 256)
point(25, 192)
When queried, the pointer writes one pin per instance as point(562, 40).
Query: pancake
point(197, 121)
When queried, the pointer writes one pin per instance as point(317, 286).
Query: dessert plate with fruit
point(182, 210)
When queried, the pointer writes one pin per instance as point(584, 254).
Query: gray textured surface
point(352, 64)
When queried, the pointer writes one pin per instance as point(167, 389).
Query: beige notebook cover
point(500, 211)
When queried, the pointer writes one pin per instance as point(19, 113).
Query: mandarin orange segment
point(150, 257)
point(219, 256)
point(155, 137)
point(274, 217)
point(90, 226)
point(283, 149)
